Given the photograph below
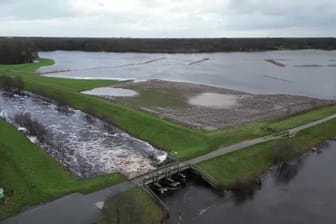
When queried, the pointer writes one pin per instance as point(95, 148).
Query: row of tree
point(181, 45)
point(24, 49)
point(17, 51)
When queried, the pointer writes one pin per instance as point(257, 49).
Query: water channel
point(85, 145)
point(304, 193)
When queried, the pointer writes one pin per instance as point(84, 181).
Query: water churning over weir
point(85, 145)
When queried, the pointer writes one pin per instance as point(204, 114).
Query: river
point(304, 72)
point(85, 145)
point(306, 193)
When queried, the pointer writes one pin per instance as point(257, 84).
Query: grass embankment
point(133, 206)
point(186, 142)
point(34, 176)
point(254, 161)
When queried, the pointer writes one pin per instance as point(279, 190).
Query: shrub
point(11, 84)
point(34, 127)
point(283, 152)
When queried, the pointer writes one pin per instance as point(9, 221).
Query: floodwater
point(305, 72)
point(305, 192)
point(110, 91)
point(85, 145)
point(215, 100)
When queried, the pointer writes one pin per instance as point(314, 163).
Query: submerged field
point(304, 72)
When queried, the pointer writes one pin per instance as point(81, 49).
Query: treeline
point(158, 45)
point(180, 45)
point(17, 51)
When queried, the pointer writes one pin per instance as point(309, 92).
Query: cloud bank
point(169, 18)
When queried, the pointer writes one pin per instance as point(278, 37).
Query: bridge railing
point(165, 171)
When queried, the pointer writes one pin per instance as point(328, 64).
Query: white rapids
point(85, 145)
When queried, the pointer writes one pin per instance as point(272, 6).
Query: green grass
point(133, 206)
point(255, 160)
point(34, 176)
point(27, 67)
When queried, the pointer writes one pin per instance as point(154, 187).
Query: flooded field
point(304, 192)
point(305, 72)
point(85, 145)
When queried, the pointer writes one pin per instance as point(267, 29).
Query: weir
point(169, 178)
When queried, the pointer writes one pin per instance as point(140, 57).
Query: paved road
point(82, 209)
point(72, 209)
point(247, 143)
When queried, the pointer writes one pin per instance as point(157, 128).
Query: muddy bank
point(219, 108)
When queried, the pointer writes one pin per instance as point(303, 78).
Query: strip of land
point(255, 160)
point(274, 62)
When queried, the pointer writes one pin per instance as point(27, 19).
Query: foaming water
point(85, 145)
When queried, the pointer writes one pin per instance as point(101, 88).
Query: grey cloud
point(285, 13)
point(36, 9)
point(170, 18)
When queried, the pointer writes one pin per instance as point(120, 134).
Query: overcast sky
point(168, 18)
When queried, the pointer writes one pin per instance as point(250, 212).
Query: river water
point(85, 145)
point(306, 193)
point(306, 72)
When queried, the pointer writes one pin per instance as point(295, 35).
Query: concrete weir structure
point(170, 178)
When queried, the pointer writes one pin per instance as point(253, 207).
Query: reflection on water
point(243, 71)
point(302, 191)
point(85, 145)
point(286, 171)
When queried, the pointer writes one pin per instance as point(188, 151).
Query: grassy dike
point(256, 160)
